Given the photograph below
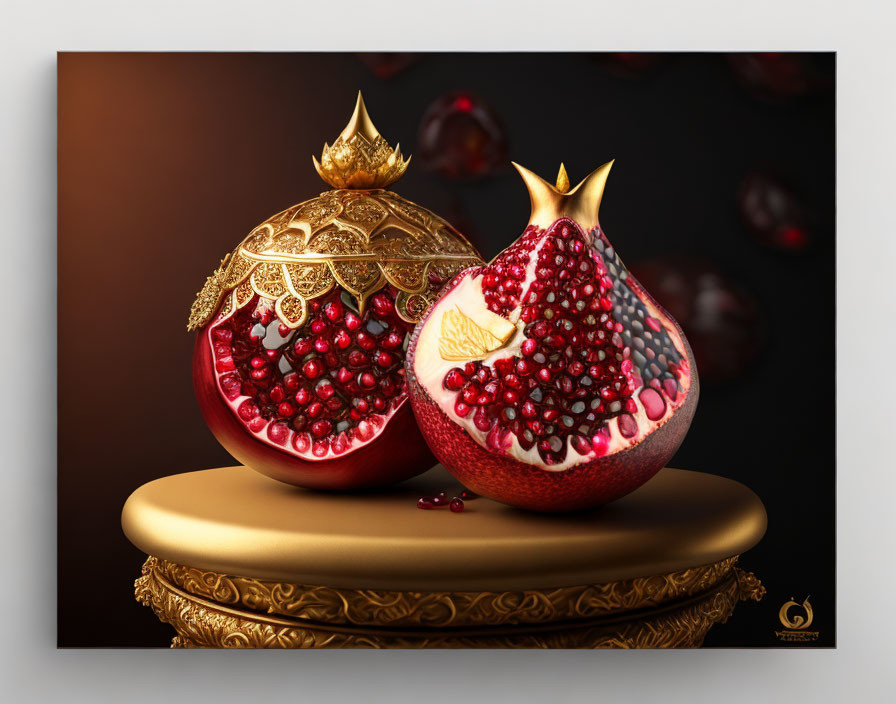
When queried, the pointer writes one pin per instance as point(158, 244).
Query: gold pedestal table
point(237, 560)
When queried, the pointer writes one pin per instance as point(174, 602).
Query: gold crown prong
point(360, 157)
point(552, 202)
point(562, 179)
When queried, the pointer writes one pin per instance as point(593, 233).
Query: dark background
point(166, 161)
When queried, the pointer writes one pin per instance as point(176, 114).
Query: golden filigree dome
point(360, 238)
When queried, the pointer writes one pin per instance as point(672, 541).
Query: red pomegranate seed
point(462, 409)
point(425, 503)
point(312, 369)
point(302, 347)
point(334, 311)
point(392, 341)
point(456, 505)
point(454, 380)
point(342, 339)
point(352, 321)
point(321, 428)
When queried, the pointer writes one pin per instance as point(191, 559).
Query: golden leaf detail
point(462, 339)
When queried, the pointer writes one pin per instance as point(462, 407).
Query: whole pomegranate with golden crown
point(550, 379)
point(299, 360)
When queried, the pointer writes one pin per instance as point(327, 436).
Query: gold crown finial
point(562, 179)
point(549, 203)
point(360, 157)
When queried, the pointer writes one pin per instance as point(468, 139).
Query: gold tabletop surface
point(236, 521)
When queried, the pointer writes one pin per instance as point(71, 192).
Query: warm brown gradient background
point(166, 161)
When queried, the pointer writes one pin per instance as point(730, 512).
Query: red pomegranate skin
point(509, 481)
point(398, 453)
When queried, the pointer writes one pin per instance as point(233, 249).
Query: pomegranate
point(462, 138)
point(299, 361)
point(549, 379)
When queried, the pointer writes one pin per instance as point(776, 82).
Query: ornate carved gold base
point(213, 610)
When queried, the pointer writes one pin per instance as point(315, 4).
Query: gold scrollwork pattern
point(359, 240)
point(204, 621)
point(371, 607)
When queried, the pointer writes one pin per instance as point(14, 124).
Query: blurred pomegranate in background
point(778, 75)
point(461, 137)
point(722, 322)
point(629, 64)
point(773, 213)
point(387, 64)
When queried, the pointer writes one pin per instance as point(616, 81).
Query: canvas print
point(481, 350)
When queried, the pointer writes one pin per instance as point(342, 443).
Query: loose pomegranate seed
point(456, 505)
point(424, 503)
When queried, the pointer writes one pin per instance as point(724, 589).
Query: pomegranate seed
point(481, 419)
point(357, 359)
point(302, 347)
point(365, 341)
point(454, 380)
point(277, 394)
point(384, 359)
point(440, 500)
point(312, 369)
point(225, 364)
point(324, 390)
point(424, 503)
point(382, 304)
point(222, 334)
point(303, 396)
point(367, 380)
point(315, 409)
point(456, 505)
point(321, 428)
point(286, 409)
point(334, 311)
point(392, 341)
point(342, 339)
point(462, 409)
point(352, 321)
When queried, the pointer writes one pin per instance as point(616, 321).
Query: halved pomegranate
point(550, 379)
point(299, 361)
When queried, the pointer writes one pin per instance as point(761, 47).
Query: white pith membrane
point(348, 434)
point(656, 388)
